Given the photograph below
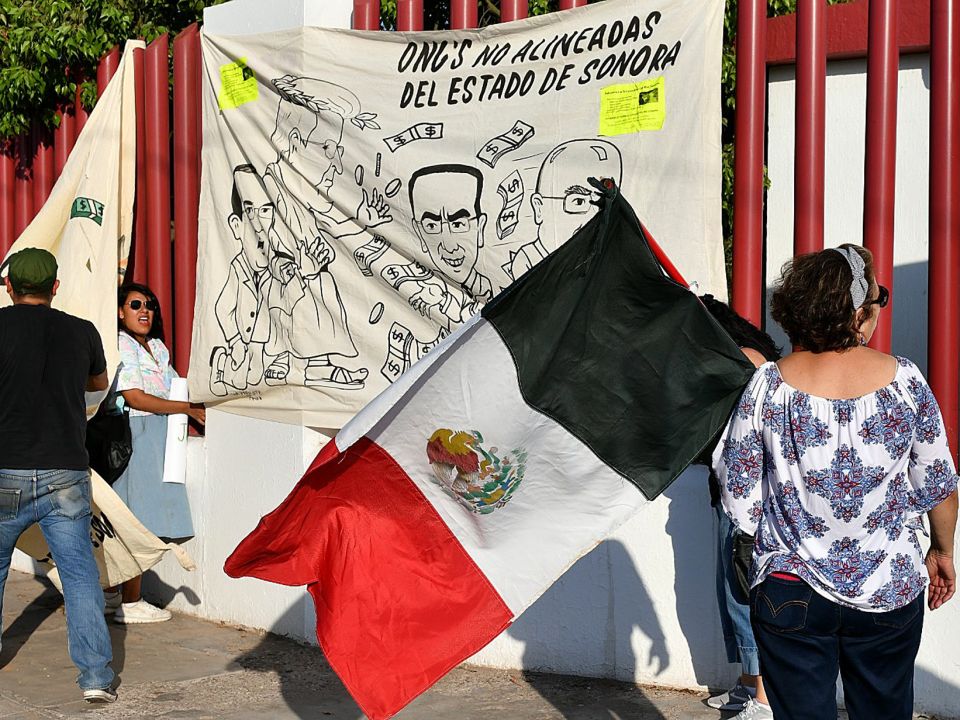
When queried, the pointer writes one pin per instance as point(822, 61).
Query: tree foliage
point(48, 46)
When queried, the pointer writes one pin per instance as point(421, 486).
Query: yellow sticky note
point(238, 85)
point(632, 107)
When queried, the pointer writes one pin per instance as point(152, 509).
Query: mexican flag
point(449, 504)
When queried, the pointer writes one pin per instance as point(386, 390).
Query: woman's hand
point(198, 412)
point(943, 578)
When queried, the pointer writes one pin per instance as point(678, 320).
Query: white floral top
point(833, 490)
point(140, 370)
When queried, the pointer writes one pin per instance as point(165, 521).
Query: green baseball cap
point(32, 271)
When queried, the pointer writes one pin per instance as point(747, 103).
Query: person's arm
point(738, 459)
point(943, 574)
point(145, 402)
point(932, 480)
point(98, 382)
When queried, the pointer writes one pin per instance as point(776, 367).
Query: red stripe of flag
point(399, 601)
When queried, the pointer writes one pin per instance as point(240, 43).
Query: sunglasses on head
point(883, 297)
point(137, 304)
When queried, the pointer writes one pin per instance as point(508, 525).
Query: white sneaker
point(140, 613)
point(734, 699)
point(100, 695)
point(111, 602)
point(754, 710)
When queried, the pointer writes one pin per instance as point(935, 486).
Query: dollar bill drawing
point(366, 254)
point(511, 190)
point(396, 275)
point(420, 131)
point(497, 147)
point(403, 350)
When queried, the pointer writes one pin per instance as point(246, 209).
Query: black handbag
point(109, 442)
point(743, 562)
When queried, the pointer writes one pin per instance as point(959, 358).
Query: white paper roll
point(175, 456)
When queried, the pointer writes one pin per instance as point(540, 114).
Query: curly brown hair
point(811, 300)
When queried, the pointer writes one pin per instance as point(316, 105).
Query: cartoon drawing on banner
point(445, 203)
point(403, 350)
point(310, 339)
point(239, 307)
point(563, 200)
point(420, 131)
point(511, 190)
point(496, 148)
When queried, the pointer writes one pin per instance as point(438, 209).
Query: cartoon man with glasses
point(240, 308)
point(445, 201)
point(564, 201)
point(310, 341)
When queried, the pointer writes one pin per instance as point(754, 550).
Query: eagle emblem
point(477, 477)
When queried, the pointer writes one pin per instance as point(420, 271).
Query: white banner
point(87, 219)
point(364, 193)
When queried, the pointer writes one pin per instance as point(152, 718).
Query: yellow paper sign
point(238, 85)
point(632, 107)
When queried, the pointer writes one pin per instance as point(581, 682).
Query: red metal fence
point(879, 30)
point(30, 164)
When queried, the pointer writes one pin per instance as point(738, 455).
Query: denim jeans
point(59, 500)
point(806, 639)
point(734, 606)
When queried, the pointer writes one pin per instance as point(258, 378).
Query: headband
point(859, 287)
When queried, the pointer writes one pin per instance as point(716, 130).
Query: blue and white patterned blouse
point(142, 370)
point(833, 490)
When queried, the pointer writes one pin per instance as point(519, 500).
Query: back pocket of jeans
point(901, 617)
point(9, 503)
point(782, 606)
point(71, 499)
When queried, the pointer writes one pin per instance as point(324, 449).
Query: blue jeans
point(734, 606)
point(59, 500)
point(806, 639)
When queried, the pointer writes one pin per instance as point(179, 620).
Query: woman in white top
point(144, 384)
point(831, 459)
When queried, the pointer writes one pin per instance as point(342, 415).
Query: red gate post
point(157, 107)
point(809, 127)
point(22, 184)
point(879, 174)
point(943, 337)
point(748, 160)
point(106, 69)
point(409, 14)
point(42, 166)
point(511, 10)
point(463, 14)
point(186, 187)
point(568, 4)
point(137, 261)
point(7, 183)
point(366, 14)
point(80, 115)
point(64, 140)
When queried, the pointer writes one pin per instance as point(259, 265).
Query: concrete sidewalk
point(189, 668)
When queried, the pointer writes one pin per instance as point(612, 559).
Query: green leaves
point(47, 46)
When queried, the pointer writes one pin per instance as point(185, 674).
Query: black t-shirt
point(46, 357)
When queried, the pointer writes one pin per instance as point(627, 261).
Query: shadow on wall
point(944, 695)
point(601, 596)
point(691, 526)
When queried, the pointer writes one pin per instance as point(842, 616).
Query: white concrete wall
point(938, 666)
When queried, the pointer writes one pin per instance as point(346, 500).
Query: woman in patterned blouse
point(831, 459)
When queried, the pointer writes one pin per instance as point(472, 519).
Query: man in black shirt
point(47, 360)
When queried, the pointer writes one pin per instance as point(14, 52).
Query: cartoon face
point(315, 160)
point(253, 228)
point(565, 201)
point(447, 223)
